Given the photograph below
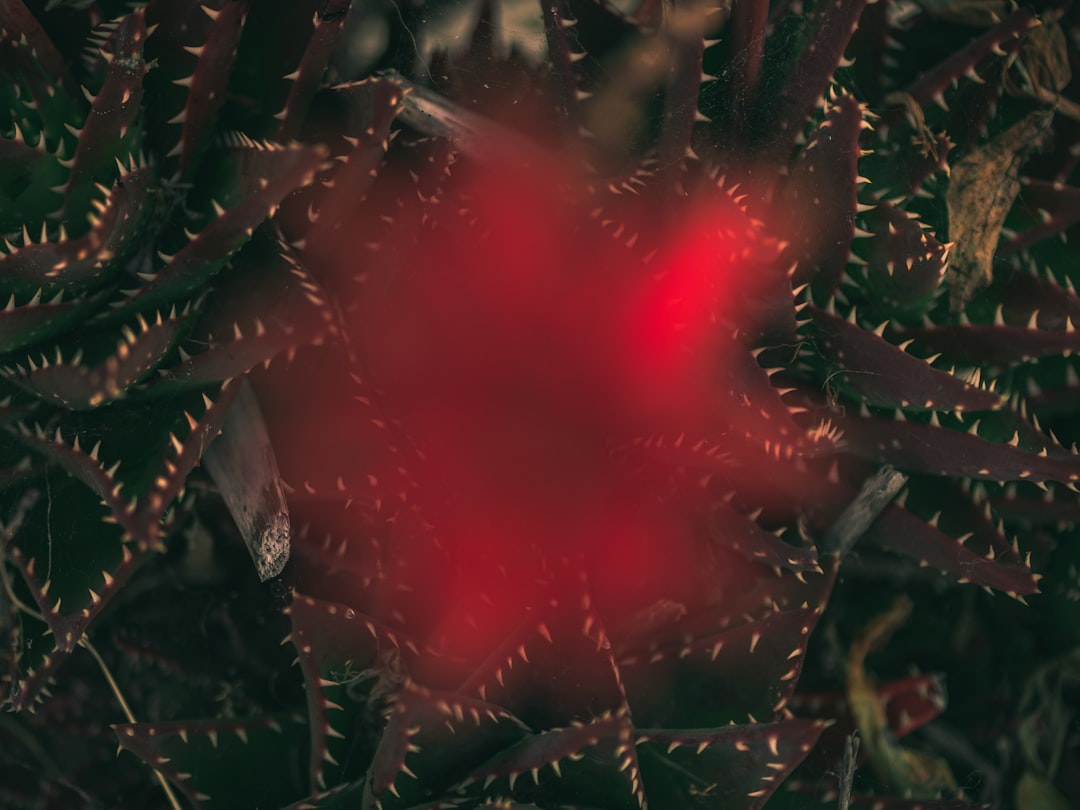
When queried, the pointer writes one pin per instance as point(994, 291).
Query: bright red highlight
point(525, 350)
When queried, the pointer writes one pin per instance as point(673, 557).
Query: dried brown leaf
point(1041, 67)
point(242, 464)
point(903, 770)
point(982, 188)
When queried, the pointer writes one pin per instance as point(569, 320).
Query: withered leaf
point(1042, 64)
point(982, 188)
point(903, 770)
point(241, 461)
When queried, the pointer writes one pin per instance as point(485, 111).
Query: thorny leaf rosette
point(531, 547)
point(585, 353)
point(120, 343)
point(106, 269)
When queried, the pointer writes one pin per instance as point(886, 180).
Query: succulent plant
point(571, 376)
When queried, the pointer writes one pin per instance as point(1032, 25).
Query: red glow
point(518, 353)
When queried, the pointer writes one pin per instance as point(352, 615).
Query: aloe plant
point(578, 372)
